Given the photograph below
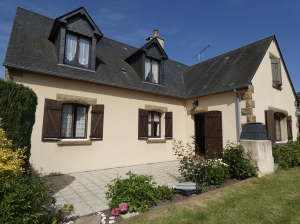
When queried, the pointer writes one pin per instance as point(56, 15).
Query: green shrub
point(240, 162)
point(23, 200)
point(17, 108)
point(10, 162)
point(139, 192)
point(287, 155)
point(206, 170)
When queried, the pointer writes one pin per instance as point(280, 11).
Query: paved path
point(86, 190)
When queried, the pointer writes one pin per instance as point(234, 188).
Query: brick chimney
point(155, 35)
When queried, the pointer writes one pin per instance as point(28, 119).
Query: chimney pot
point(155, 33)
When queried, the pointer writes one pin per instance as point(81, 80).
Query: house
point(103, 104)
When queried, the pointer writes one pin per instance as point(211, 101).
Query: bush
point(288, 155)
point(206, 170)
point(23, 199)
point(10, 162)
point(139, 192)
point(17, 108)
point(240, 162)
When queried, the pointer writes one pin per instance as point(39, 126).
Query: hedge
point(17, 108)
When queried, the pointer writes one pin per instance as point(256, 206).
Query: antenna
point(200, 54)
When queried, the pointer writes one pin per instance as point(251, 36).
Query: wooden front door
point(199, 133)
point(213, 131)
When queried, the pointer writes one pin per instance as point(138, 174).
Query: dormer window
point(77, 51)
point(151, 70)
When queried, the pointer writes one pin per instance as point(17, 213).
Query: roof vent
point(231, 84)
point(226, 58)
point(123, 70)
point(125, 48)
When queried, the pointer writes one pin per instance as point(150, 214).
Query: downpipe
point(238, 115)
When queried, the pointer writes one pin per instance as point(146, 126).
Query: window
point(73, 123)
point(276, 72)
point(69, 121)
point(277, 127)
point(77, 51)
point(151, 70)
point(154, 124)
point(149, 125)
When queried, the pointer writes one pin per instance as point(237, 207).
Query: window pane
point(66, 126)
point(154, 71)
point(149, 124)
point(156, 124)
point(147, 70)
point(70, 48)
point(277, 126)
point(80, 122)
point(84, 47)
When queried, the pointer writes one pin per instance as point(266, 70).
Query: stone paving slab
point(86, 190)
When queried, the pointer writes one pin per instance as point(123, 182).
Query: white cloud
point(107, 17)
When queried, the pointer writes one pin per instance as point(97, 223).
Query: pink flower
point(123, 207)
point(115, 212)
point(196, 155)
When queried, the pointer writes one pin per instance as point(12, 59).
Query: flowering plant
point(121, 209)
point(201, 170)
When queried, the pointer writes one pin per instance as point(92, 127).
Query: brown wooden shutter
point(168, 125)
point(97, 122)
point(289, 128)
point(276, 71)
point(52, 120)
point(213, 131)
point(270, 125)
point(143, 124)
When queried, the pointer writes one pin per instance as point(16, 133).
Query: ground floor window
point(153, 124)
point(73, 123)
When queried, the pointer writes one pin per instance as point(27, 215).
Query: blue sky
point(187, 26)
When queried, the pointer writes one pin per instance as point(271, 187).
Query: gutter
point(238, 115)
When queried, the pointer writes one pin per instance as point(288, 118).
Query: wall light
point(195, 104)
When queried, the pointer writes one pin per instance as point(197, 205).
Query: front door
point(208, 132)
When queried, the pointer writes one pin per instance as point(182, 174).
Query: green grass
point(272, 199)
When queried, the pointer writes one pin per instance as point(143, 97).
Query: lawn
point(271, 199)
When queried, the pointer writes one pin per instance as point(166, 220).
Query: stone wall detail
point(250, 104)
point(159, 109)
point(76, 99)
point(197, 110)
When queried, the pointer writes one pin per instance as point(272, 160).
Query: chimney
point(155, 35)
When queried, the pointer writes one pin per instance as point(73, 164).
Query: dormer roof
point(64, 20)
point(153, 42)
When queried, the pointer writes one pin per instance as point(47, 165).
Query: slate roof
point(30, 49)
point(232, 70)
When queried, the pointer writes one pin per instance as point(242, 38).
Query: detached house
point(102, 103)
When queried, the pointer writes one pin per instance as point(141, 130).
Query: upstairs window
point(151, 70)
point(276, 71)
point(77, 51)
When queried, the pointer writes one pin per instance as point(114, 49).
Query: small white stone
point(112, 217)
point(103, 215)
point(103, 218)
point(111, 221)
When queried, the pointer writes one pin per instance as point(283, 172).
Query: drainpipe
point(238, 115)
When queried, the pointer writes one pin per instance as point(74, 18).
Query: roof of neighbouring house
point(30, 49)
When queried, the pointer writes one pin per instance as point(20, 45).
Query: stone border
point(75, 99)
point(280, 111)
point(197, 110)
point(156, 140)
point(159, 109)
point(250, 104)
point(71, 143)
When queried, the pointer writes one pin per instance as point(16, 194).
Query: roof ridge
point(232, 51)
